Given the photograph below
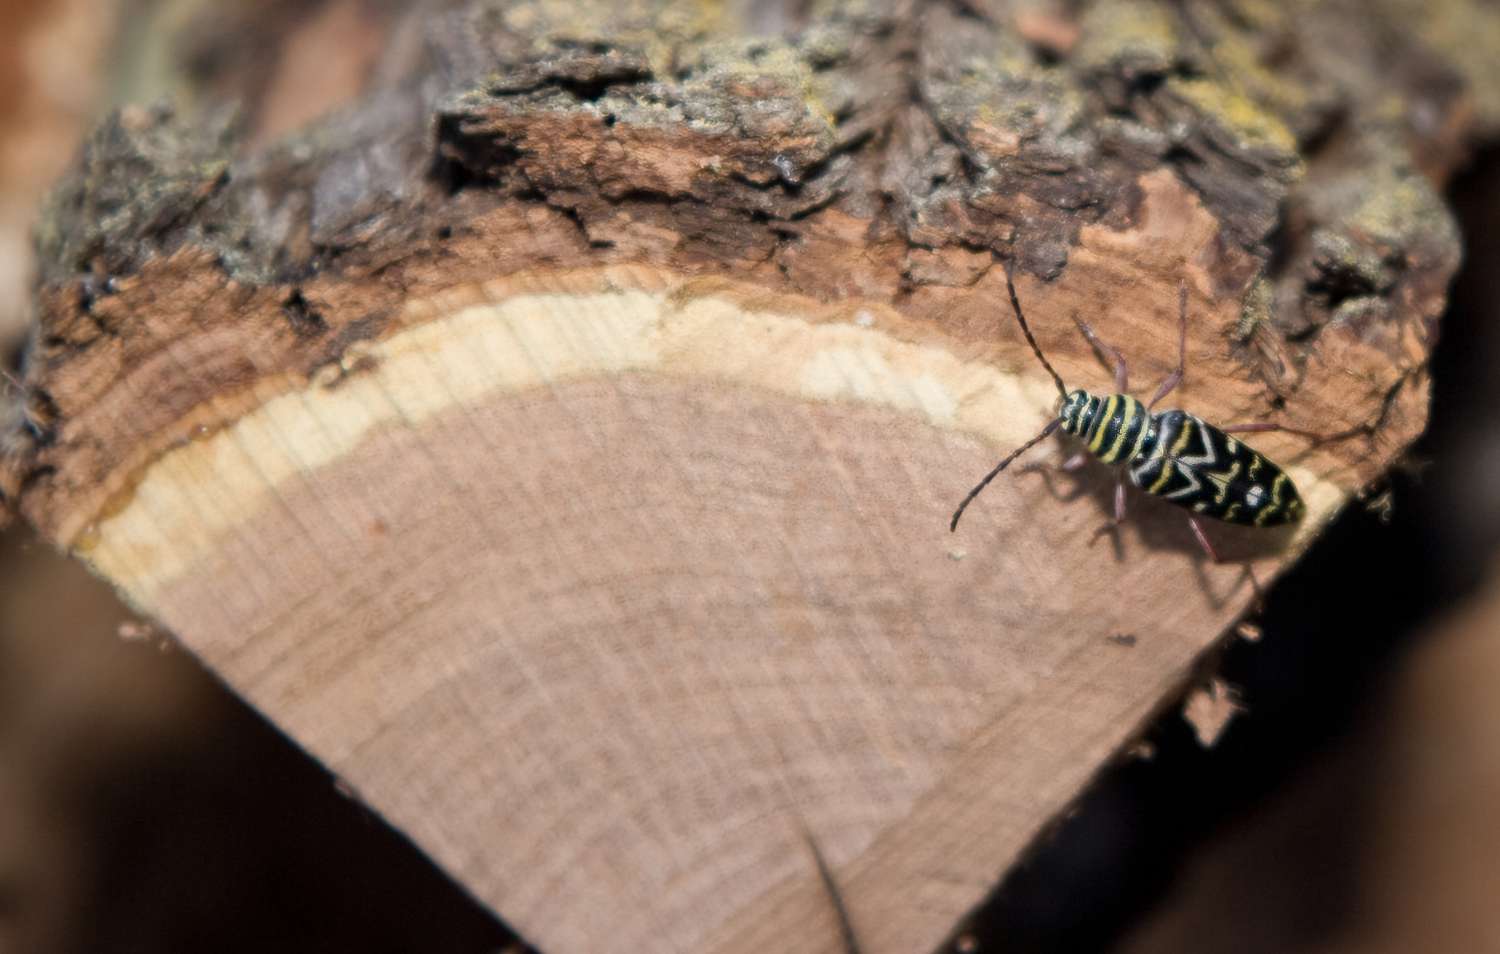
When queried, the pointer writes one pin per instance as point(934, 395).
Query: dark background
point(1349, 808)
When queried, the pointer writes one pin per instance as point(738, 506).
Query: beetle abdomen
point(1197, 466)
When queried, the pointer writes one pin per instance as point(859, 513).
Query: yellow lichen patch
point(1242, 65)
point(1252, 126)
point(1129, 35)
point(194, 495)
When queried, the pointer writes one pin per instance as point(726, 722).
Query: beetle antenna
point(1052, 425)
point(1015, 304)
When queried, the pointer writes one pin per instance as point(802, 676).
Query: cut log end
point(686, 544)
point(566, 458)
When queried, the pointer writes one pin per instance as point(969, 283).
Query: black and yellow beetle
point(1169, 454)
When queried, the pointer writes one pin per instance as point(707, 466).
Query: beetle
point(1169, 454)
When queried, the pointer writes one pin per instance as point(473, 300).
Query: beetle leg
point(1213, 555)
point(1256, 427)
point(1108, 355)
point(1175, 378)
point(1252, 427)
point(1208, 548)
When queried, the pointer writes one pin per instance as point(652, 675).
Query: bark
point(559, 440)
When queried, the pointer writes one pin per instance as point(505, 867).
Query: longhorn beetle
point(1169, 454)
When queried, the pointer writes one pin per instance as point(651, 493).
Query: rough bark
point(559, 440)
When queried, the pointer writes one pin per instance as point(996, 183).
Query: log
point(559, 441)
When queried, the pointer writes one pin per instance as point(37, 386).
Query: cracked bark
point(558, 440)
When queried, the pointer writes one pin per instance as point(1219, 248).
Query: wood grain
point(694, 664)
point(715, 594)
point(559, 441)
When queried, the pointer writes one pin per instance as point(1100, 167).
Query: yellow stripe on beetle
point(1131, 408)
point(1104, 416)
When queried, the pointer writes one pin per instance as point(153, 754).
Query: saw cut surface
point(664, 580)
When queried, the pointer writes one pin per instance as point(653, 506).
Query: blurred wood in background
point(51, 59)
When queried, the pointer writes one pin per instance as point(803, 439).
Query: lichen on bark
point(934, 138)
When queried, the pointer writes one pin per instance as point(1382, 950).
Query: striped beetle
point(1169, 454)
